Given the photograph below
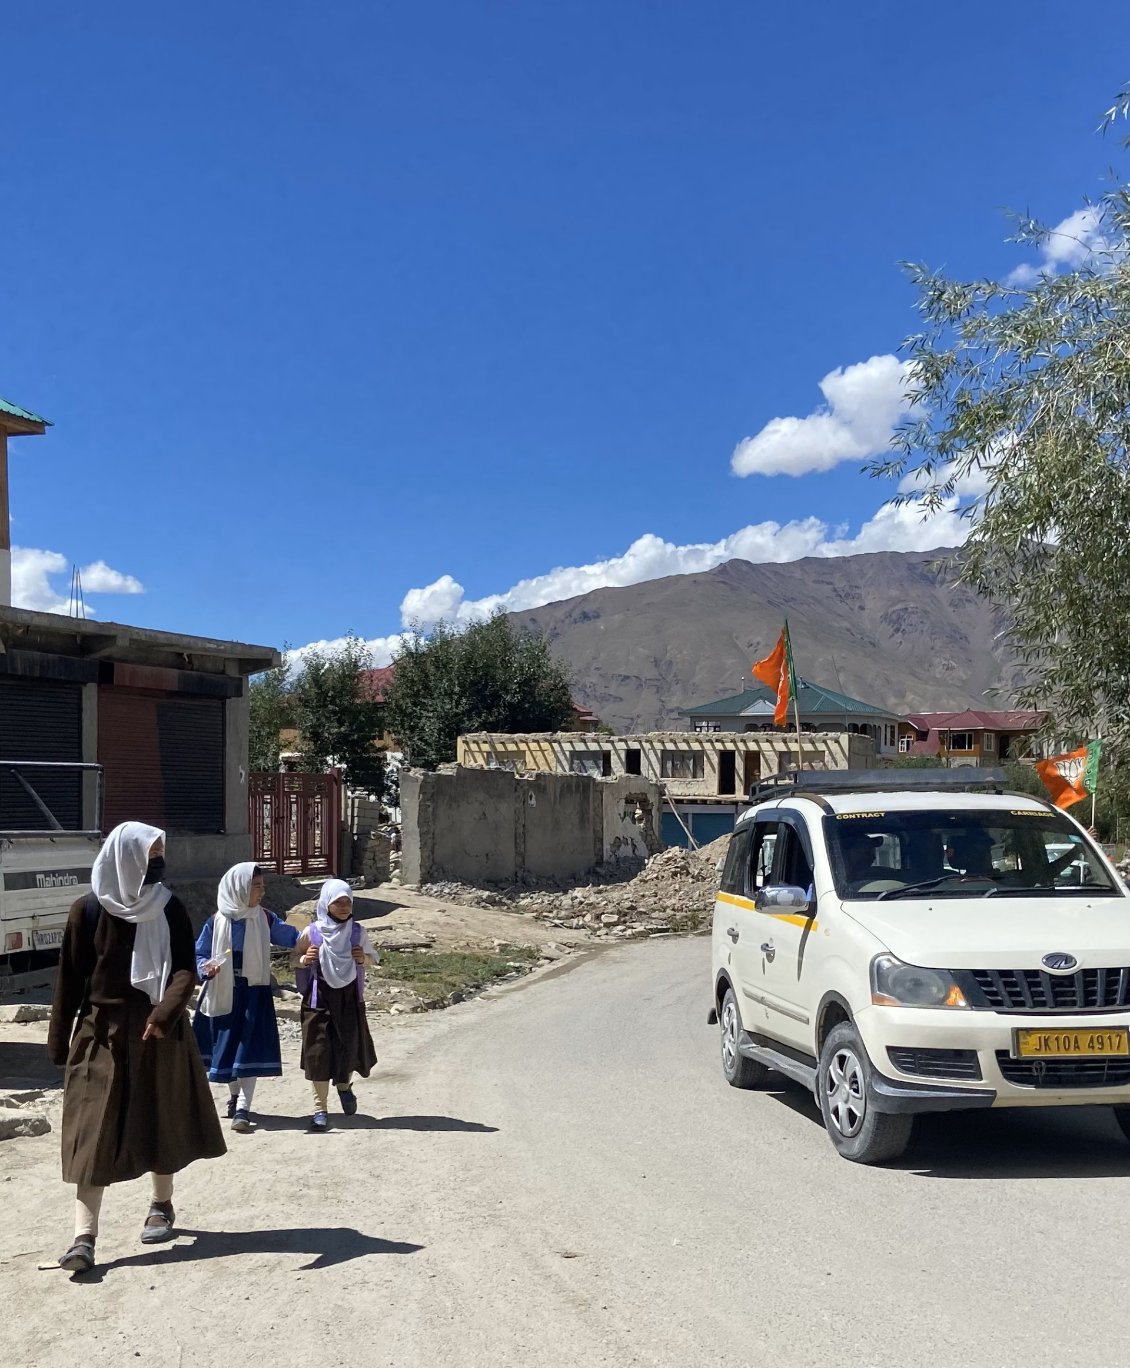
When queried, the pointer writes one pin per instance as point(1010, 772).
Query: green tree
point(491, 676)
point(337, 718)
point(272, 709)
point(1021, 392)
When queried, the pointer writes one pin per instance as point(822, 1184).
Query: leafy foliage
point(337, 717)
point(1021, 396)
point(271, 710)
point(490, 676)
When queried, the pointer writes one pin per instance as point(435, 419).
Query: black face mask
point(154, 871)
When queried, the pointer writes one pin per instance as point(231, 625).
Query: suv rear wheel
point(858, 1131)
point(737, 1070)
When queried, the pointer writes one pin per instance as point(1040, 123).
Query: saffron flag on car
point(1070, 777)
point(776, 673)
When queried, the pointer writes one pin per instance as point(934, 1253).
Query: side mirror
point(783, 898)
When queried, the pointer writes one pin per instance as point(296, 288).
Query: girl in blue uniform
point(235, 1025)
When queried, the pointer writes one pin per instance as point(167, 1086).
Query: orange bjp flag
point(776, 673)
point(1063, 776)
point(1069, 778)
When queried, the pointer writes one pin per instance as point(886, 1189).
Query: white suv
point(910, 945)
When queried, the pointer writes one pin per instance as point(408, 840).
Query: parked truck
point(46, 855)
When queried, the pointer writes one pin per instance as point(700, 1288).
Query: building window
point(708, 726)
point(905, 743)
point(587, 762)
point(960, 741)
point(990, 742)
point(682, 765)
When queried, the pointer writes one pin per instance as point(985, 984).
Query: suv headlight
point(894, 984)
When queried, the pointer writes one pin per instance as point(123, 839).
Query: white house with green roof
point(821, 710)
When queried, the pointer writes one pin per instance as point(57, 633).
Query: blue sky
point(346, 313)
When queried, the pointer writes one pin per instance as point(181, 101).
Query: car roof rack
point(965, 779)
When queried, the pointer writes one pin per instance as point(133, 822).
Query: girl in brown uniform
point(135, 1097)
point(336, 1042)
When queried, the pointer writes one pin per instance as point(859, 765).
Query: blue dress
point(245, 1043)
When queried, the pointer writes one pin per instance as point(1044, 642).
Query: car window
point(791, 865)
point(962, 853)
point(761, 849)
point(737, 861)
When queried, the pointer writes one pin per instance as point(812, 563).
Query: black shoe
point(159, 1223)
point(348, 1101)
point(233, 1105)
point(242, 1121)
point(320, 1123)
point(80, 1257)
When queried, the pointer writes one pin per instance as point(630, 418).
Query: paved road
point(560, 1176)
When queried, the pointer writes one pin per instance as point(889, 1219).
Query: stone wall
point(490, 826)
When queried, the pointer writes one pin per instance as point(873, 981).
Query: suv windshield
point(947, 853)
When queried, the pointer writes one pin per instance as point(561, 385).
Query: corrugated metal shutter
point(40, 720)
point(164, 760)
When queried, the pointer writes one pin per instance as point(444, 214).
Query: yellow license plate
point(1055, 1044)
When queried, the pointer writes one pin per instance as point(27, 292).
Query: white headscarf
point(118, 882)
point(232, 905)
point(335, 956)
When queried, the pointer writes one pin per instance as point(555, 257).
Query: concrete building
point(821, 710)
point(973, 736)
point(705, 777)
point(165, 715)
point(493, 826)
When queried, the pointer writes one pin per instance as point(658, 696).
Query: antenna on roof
point(76, 608)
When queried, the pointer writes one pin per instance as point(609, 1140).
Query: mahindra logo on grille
point(1059, 963)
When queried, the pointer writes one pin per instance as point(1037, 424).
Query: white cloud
point(383, 649)
point(99, 578)
point(435, 602)
point(35, 571)
point(894, 527)
point(864, 405)
point(1079, 240)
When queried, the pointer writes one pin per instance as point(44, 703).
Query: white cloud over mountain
point(894, 527)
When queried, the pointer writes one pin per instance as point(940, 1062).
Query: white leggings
point(88, 1203)
point(243, 1090)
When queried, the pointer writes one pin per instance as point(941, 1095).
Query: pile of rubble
point(672, 892)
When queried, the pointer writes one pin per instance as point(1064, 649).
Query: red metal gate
point(296, 822)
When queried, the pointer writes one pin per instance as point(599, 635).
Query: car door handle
point(768, 950)
point(732, 932)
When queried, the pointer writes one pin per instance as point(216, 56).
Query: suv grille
point(1033, 990)
point(936, 1063)
point(1064, 1073)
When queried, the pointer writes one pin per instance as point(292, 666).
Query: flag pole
point(793, 691)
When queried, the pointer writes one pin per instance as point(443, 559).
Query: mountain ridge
point(889, 627)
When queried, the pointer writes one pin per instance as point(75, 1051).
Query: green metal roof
point(25, 414)
point(812, 700)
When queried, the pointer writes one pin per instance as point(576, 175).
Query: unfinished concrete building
point(705, 777)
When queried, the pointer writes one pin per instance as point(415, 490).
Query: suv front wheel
point(739, 1071)
point(858, 1131)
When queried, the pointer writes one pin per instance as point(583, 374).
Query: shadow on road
point(24, 1064)
point(1059, 1142)
point(1015, 1142)
point(373, 909)
point(329, 1245)
point(361, 1122)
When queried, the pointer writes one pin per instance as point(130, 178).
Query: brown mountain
point(891, 628)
